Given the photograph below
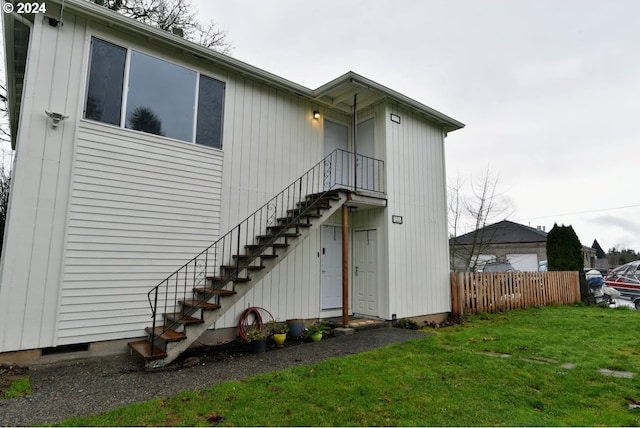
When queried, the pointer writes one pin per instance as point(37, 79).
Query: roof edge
point(449, 123)
point(94, 12)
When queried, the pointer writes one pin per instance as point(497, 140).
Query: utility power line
point(580, 212)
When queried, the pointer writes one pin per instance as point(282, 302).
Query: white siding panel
point(270, 140)
point(141, 206)
point(418, 249)
point(31, 264)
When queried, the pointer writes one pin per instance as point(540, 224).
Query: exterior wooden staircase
point(196, 313)
point(190, 300)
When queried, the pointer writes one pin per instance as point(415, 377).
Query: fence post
point(455, 296)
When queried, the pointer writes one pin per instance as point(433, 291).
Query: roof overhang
point(338, 93)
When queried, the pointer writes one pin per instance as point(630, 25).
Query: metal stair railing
point(286, 209)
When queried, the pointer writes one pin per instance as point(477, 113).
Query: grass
point(501, 369)
point(17, 388)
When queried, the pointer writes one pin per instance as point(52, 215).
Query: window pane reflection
point(106, 76)
point(210, 105)
point(161, 97)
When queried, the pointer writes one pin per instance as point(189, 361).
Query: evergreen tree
point(564, 253)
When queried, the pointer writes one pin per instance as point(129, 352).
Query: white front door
point(365, 272)
point(365, 163)
point(331, 264)
point(336, 168)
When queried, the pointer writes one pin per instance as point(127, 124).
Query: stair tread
point(302, 214)
point(183, 319)
point(285, 223)
point(273, 245)
point(315, 203)
point(254, 256)
point(333, 195)
point(144, 349)
point(241, 267)
point(194, 303)
point(168, 335)
point(284, 235)
point(228, 278)
point(218, 291)
point(288, 226)
point(268, 256)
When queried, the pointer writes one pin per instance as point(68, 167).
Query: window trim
point(130, 47)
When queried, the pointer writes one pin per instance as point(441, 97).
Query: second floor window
point(161, 98)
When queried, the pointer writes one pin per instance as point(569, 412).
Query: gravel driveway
point(92, 386)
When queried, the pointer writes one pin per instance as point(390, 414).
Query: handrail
point(261, 230)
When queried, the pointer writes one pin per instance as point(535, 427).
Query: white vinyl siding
point(418, 248)
point(139, 209)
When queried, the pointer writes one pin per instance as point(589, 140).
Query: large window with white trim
point(137, 91)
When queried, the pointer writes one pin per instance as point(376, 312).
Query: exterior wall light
point(316, 114)
point(56, 118)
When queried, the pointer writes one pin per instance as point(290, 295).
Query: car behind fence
point(473, 292)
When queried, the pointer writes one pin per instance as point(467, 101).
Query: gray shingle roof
point(599, 251)
point(504, 232)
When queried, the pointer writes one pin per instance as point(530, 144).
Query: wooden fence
point(473, 292)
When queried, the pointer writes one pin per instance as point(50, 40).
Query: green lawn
point(505, 369)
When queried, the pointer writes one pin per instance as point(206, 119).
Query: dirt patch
point(9, 374)
point(228, 352)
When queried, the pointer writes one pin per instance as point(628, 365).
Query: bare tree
point(173, 16)
point(5, 168)
point(5, 134)
point(473, 213)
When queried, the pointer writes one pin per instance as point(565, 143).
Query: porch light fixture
point(316, 114)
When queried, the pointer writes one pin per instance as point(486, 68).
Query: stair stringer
point(193, 332)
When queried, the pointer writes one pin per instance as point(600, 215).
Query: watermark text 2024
point(24, 8)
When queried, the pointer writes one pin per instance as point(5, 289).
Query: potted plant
point(316, 330)
point(279, 331)
point(296, 327)
point(257, 339)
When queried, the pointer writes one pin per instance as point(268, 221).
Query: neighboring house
point(136, 150)
point(523, 246)
point(600, 260)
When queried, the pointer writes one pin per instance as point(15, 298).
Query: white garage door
point(524, 262)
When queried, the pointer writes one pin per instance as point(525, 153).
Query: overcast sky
point(548, 90)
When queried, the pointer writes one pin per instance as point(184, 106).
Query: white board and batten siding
point(271, 139)
point(418, 248)
point(139, 209)
point(34, 243)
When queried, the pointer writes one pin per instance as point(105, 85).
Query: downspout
point(355, 141)
point(345, 263)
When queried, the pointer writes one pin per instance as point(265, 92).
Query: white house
point(136, 150)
